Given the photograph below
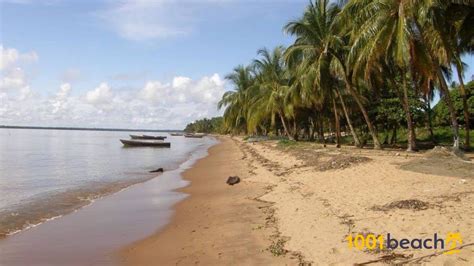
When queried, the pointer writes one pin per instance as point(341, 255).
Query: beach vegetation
point(213, 125)
point(359, 72)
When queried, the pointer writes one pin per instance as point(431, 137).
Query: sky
point(154, 64)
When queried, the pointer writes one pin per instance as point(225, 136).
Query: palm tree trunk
point(295, 130)
point(285, 127)
point(452, 112)
point(393, 139)
point(465, 108)
point(406, 105)
point(337, 124)
point(429, 119)
point(349, 121)
point(372, 129)
point(321, 130)
point(311, 129)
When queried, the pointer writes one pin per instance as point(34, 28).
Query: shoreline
point(297, 205)
point(44, 179)
point(79, 203)
point(217, 223)
point(97, 230)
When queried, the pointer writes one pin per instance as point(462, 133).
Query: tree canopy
point(358, 69)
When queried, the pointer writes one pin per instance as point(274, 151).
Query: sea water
point(45, 174)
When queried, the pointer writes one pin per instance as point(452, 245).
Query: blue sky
point(112, 63)
point(76, 35)
point(75, 62)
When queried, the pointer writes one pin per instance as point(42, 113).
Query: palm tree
point(268, 94)
point(383, 30)
point(316, 45)
point(448, 28)
point(236, 101)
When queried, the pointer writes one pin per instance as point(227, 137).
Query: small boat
point(145, 143)
point(176, 134)
point(147, 137)
point(194, 135)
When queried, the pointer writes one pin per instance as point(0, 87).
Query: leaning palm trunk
point(452, 112)
point(337, 124)
point(295, 130)
point(285, 127)
point(465, 108)
point(372, 130)
point(349, 122)
point(406, 105)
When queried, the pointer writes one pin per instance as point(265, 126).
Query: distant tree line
point(213, 125)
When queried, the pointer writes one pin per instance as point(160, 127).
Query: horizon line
point(90, 128)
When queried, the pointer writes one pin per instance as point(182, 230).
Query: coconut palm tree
point(447, 27)
point(271, 85)
point(316, 45)
point(236, 101)
point(383, 30)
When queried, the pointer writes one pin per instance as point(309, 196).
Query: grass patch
point(284, 143)
point(442, 135)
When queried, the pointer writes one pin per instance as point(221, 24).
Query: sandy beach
point(218, 223)
point(298, 204)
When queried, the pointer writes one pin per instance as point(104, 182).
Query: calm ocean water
point(47, 173)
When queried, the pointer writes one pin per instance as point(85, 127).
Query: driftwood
point(232, 180)
point(159, 170)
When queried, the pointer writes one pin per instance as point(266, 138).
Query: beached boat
point(194, 135)
point(145, 143)
point(176, 134)
point(148, 137)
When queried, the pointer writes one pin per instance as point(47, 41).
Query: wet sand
point(217, 224)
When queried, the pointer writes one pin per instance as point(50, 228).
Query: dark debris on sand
point(442, 161)
point(342, 162)
point(411, 204)
point(322, 158)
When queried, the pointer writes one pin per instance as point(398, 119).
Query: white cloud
point(10, 57)
point(156, 104)
point(153, 90)
point(207, 90)
point(147, 19)
point(141, 20)
point(13, 78)
point(60, 102)
point(100, 95)
point(179, 82)
point(64, 91)
point(25, 93)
